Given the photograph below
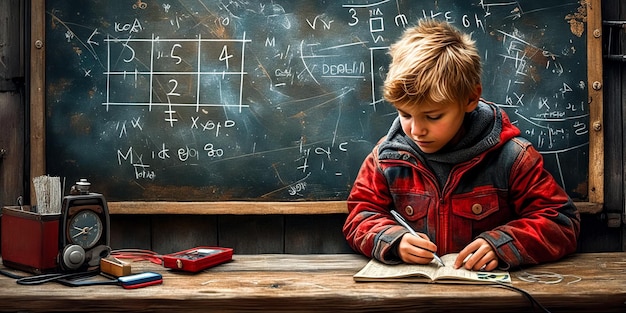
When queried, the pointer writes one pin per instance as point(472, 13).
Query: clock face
point(85, 229)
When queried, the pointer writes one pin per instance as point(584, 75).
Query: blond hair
point(432, 61)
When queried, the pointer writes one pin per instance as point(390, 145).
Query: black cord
point(11, 275)
point(528, 296)
point(67, 279)
point(79, 283)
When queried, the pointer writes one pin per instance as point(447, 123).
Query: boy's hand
point(416, 250)
point(480, 257)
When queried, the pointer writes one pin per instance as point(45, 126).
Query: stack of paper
point(48, 193)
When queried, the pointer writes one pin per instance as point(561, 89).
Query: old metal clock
point(83, 228)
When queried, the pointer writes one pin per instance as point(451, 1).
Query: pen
point(467, 258)
point(402, 222)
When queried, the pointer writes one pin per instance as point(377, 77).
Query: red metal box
point(197, 259)
point(30, 241)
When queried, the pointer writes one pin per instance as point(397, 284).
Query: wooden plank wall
point(614, 43)
point(246, 234)
point(12, 108)
point(12, 102)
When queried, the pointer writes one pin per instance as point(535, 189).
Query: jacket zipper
point(453, 180)
point(443, 220)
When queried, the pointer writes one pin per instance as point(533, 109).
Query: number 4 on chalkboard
point(224, 56)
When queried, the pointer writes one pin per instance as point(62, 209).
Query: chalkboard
point(280, 100)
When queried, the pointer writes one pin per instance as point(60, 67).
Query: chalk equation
point(281, 100)
point(179, 73)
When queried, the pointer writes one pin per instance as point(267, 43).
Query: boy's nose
point(417, 130)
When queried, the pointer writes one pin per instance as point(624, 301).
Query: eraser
point(114, 267)
point(140, 280)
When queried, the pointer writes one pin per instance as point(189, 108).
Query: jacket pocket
point(414, 208)
point(481, 210)
point(476, 205)
point(473, 213)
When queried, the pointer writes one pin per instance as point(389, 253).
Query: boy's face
point(433, 125)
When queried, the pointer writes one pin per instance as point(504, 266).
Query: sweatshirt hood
point(485, 128)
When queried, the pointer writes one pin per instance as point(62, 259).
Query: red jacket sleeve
point(369, 227)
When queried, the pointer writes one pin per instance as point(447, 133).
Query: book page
point(374, 269)
point(449, 272)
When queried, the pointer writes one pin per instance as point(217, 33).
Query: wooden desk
point(319, 283)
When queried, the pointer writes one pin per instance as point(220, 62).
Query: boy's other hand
point(416, 249)
point(477, 256)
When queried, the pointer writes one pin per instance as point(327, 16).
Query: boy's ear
point(472, 101)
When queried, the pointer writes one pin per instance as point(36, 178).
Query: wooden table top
point(290, 283)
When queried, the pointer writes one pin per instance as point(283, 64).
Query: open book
point(432, 272)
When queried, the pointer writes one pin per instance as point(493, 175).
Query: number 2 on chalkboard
point(172, 93)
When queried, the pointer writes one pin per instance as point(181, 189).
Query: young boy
point(455, 168)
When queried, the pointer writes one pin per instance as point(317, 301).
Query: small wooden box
point(30, 241)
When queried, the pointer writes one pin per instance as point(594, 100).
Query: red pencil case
point(197, 259)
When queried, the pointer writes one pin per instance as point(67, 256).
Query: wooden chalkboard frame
point(38, 136)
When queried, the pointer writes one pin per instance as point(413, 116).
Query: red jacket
point(502, 194)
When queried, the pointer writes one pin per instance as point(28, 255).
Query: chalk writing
point(282, 100)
